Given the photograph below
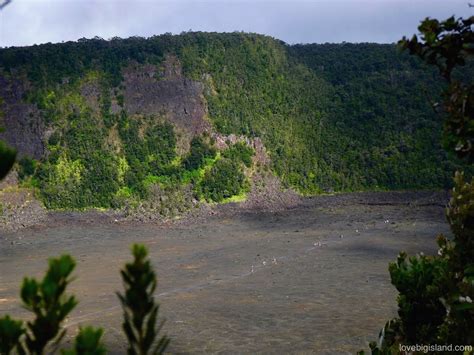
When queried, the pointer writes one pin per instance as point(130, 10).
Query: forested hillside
point(109, 123)
point(382, 104)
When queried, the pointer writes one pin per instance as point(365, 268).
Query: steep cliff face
point(165, 92)
point(161, 92)
point(24, 127)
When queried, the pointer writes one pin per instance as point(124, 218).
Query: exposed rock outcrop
point(24, 127)
point(166, 93)
point(91, 93)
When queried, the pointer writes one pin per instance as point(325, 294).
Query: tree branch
point(4, 3)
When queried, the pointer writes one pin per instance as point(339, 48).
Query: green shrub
point(420, 309)
point(7, 159)
point(198, 154)
point(225, 179)
point(139, 307)
point(50, 305)
point(435, 301)
point(54, 138)
point(27, 168)
point(7, 154)
point(82, 173)
point(10, 332)
point(148, 155)
point(239, 152)
point(88, 342)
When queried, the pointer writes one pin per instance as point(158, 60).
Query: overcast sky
point(26, 22)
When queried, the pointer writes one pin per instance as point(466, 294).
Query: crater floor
point(311, 279)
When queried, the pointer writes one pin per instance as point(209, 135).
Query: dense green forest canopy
point(333, 117)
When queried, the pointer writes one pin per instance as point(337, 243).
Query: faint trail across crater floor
point(312, 279)
point(254, 268)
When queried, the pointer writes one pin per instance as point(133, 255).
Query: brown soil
point(310, 279)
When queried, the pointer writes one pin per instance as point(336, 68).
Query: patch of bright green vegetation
point(224, 180)
point(240, 152)
point(200, 151)
point(242, 197)
point(196, 175)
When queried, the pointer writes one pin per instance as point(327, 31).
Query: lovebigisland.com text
point(424, 348)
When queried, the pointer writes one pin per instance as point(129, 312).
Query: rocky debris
point(88, 217)
point(24, 127)
point(165, 206)
point(268, 194)
point(19, 209)
point(261, 155)
point(162, 204)
point(10, 180)
point(386, 198)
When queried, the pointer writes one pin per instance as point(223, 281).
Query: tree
point(49, 303)
point(7, 154)
point(88, 341)
point(4, 3)
point(447, 45)
point(7, 158)
point(435, 302)
point(225, 179)
point(139, 307)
